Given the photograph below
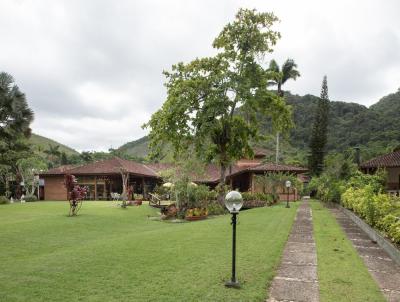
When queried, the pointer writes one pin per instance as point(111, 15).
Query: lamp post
point(287, 185)
point(233, 202)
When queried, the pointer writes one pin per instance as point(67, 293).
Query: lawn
point(341, 272)
point(111, 254)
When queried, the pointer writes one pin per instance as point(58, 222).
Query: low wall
point(390, 248)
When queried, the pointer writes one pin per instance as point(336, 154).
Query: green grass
point(111, 254)
point(341, 272)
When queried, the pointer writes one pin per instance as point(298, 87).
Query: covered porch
point(100, 187)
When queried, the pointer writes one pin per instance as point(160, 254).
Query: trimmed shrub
point(4, 200)
point(379, 210)
point(214, 208)
point(30, 198)
point(255, 200)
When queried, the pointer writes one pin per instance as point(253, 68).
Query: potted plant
point(196, 214)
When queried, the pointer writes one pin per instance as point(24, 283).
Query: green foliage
point(374, 129)
point(28, 168)
point(379, 210)
point(281, 76)
point(30, 198)
point(214, 208)
point(40, 143)
point(340, 172)
point(273, 183)
point(256, 200)
point(15, 120)
point(4, 200)
point(319, 136)
point(203, 96)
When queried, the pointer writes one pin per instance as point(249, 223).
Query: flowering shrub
point(196, 212)
point(76, 194)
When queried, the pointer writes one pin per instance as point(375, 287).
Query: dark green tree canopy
point(15, 115)
point(204, 95)
point(319, 136)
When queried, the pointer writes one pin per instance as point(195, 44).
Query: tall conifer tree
point(319, 131)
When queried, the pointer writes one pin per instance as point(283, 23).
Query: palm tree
point(280, 76)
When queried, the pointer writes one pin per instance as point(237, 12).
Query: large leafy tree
point(280, 77)
point(319, 131)
point(28, 169)
point(203, 96)
point(15, 120)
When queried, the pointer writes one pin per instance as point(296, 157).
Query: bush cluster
point(4, 200)
point(30, 198)
point(379, 210)
point(255, 200)
point(214, 208)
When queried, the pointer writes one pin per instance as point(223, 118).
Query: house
point(104, 177)
point(391, 163)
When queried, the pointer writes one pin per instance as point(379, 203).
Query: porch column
point(252, 182)
point(144, 188)
point(95, 188)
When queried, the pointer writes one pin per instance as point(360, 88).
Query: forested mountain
point(40, 144)
point(376, 129)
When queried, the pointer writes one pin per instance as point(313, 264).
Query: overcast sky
point(92, 70)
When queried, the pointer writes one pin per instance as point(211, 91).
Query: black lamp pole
point(287, 200)
point(233, 283)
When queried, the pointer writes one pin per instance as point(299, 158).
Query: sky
point(92, 70)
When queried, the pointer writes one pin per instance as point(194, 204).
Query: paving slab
point(289, 290)
point(300, 272)
point(299, 258)
point(382, 268)
point(296, 279)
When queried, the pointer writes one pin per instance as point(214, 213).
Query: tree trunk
point(277, 149)
point(222, 180)
point(18, 189)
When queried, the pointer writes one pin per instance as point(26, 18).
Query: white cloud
point(92, 69)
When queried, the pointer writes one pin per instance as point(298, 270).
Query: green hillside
point(139, 148)
point(41, 143)
point(376, 129)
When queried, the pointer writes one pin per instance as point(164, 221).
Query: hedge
point(379, 210)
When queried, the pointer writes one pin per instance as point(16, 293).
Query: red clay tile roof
point(268, 167)
point(59, 170)
point(387, 160)
point(108, 166)
point(211, 173)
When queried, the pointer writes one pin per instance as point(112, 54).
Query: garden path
point(296, 279)
point(383, 269)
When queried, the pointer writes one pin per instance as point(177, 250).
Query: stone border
point(374, 235)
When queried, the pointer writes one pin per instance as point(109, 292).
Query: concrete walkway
point(383, 269)
point(296, 278)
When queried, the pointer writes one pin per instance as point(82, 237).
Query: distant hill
point(41, 143)
point(139, 148)
point(376, 129)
